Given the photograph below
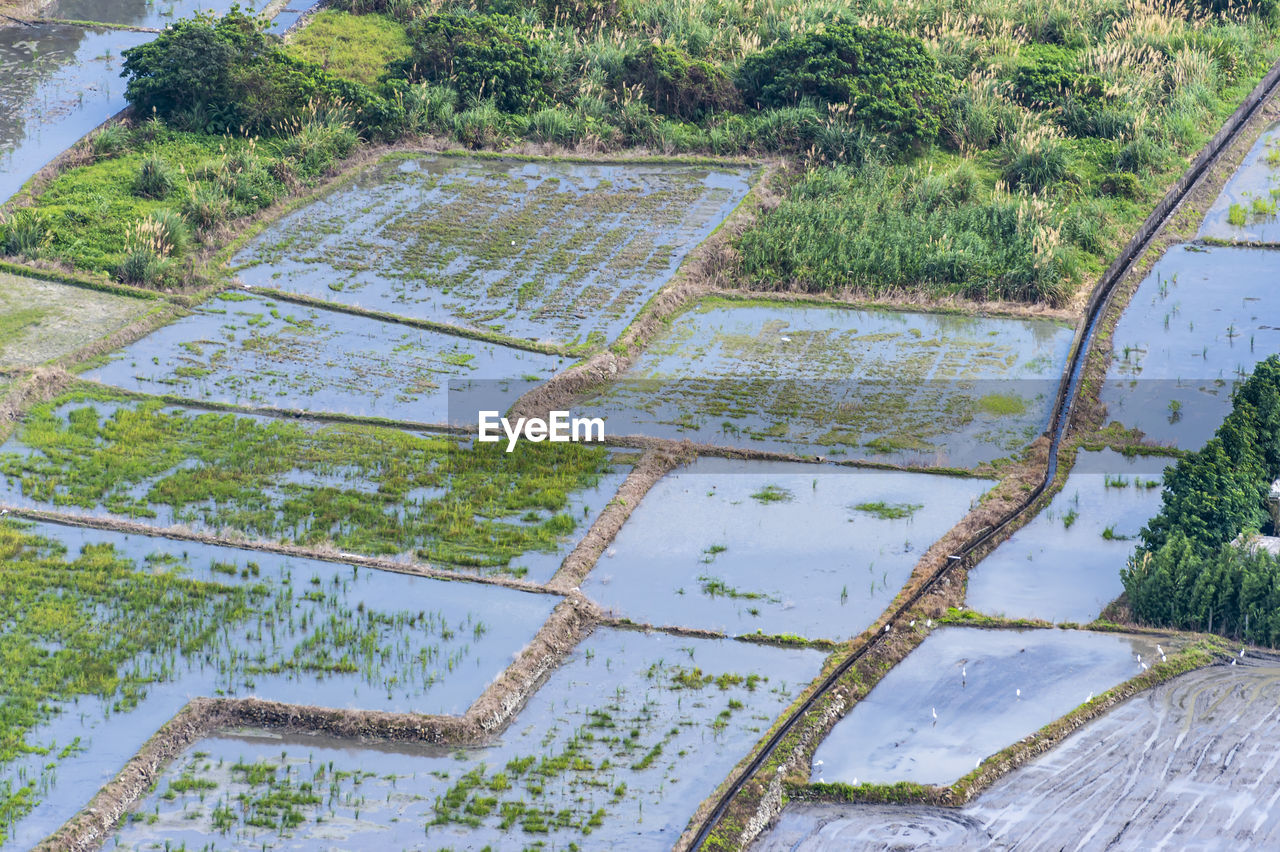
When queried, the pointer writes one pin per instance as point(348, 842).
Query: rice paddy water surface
point(988, 688)
point(779, 548)
point(1065, 565)
point(910, 388)
point(260, 352)
point(559, 252)
point(302, 631)
point(615, 750)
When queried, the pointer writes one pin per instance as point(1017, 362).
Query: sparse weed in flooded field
point(627, 736)
point(86, 625)
point(120, 628)
point(554, 251)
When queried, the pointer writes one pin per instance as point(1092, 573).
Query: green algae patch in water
point(558, 252)
point(111, 633)
point(911, 388)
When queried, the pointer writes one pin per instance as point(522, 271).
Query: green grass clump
point(1238, 215)
point(772, 494)
point(353, 47)
point(260, 477)
point(889, 511)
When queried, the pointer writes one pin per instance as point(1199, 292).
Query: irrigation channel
point(1059, 424)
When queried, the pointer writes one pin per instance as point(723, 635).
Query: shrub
point(1035, 159)
point(1047, 74)
point(146, 254)
point(1120, 185)
point(205, 206)
point(154, 178)
point(890, 78)
point(171, 231)
point(677, 85)
point(228, 75)
point(24, 232)
point(483, 56)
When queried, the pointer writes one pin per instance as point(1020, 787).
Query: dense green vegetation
point(355, 48)
point(1189, 572)
point(73, 626)
point(364, 489)
point(152, 195)
point(999, 151)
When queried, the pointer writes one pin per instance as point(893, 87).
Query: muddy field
point(40, 320)
point(1189, 764)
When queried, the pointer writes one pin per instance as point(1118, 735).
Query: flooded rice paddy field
point(178, 619)
point(144, 13)
point(616, 750)
point(778, 548)
point(1188, 764)
point(259, 352)
point(1199, 322)
point(1065, 565)
point(361, 489)
point(40, 320)
point(57, 82)
point(988, 689)
point(917, 388)
point(1245, 212)
point(552, 251)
